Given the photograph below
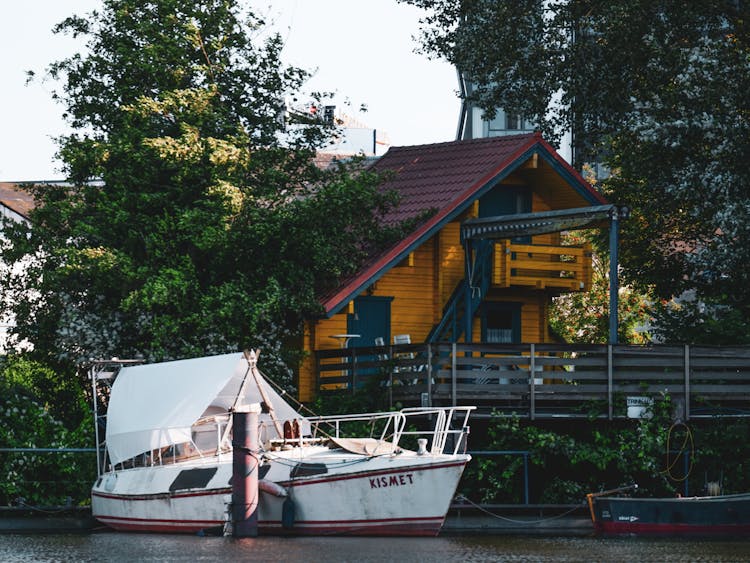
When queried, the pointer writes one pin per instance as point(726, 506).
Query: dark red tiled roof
point(443, 178)
point(14, 198)
point(433, 176)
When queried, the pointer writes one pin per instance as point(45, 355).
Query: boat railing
point(336, 426)
point(448, 426)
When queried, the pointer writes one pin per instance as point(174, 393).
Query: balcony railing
point(539, 266)
point(547, 380)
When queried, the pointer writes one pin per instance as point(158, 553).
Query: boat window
point(193, 478)
point(307, 469)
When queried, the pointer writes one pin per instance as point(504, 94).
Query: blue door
point(372, 321)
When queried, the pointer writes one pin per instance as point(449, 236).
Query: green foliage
point(583, 317)
point(33, 416)
point(704, 323)
point(566, 463)
point(655, 90)
point(196, 221)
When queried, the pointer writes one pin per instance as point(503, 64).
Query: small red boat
point(709, 515)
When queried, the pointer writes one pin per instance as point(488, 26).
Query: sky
point(364, 50)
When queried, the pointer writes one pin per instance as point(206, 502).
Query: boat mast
point(252, 361)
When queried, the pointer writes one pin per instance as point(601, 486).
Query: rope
point(300, 406)
point(286, 395)
point(294, 463)
point(670, 466)
point(22, 504)
point(519, 522)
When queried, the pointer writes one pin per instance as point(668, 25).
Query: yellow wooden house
point(472, 270)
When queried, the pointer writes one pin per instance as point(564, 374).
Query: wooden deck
point(581, 381)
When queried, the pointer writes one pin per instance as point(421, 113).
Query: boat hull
point(720, 515)
point(388, 495)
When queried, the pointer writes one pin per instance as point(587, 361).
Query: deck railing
point(601, 381)
point(541, 266)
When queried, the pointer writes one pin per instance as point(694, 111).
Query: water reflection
point(147, 548)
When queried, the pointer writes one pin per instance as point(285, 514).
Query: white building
point(15, 205)
point(472, 123)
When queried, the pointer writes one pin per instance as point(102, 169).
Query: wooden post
point(245, 471)
point(532, 373)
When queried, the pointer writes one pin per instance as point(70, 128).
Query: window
point(506, 123)
point(501, 323)
point(513, 121)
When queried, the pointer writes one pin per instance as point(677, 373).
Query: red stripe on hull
point(413, 530)
point(650, 528)
point(172, 527)
point(157, 496)
point(392, 527)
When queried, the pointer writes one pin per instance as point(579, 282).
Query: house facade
point(447, 281)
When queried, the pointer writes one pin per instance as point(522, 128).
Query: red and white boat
point(168, 462)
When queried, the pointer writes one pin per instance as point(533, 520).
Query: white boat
point(167, 456)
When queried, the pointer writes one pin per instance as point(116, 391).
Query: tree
point(195, 220)
point(583, 317)
point(40, 409)
point(656, 90)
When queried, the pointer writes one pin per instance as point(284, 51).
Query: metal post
point(471, 256)
point(614, 230)
point(453, 372)
point(526, 477)
point(686, 461)
point(429, 372)
point(609, 381)
point(99, 461)
point(687, 382)
point(389, 366)
point(245, 471)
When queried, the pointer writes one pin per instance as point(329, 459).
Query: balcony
point(566, 268)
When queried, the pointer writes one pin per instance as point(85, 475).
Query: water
point(147, 548)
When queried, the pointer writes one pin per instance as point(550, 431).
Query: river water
point(146, 548)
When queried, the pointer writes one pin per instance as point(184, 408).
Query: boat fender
point(271, 488)
point(287, 513)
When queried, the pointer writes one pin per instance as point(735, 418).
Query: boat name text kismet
point(391, 481)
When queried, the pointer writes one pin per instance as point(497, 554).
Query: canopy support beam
point(529, 224)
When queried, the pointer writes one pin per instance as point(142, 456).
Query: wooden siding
point(412, 289)
point(421, 286)
point(452, 263)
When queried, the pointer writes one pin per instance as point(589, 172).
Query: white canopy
point(153, 406)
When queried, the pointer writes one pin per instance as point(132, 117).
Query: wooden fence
point(568, 380)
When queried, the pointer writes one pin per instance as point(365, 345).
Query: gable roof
point(445, 178)
point(16, 199)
